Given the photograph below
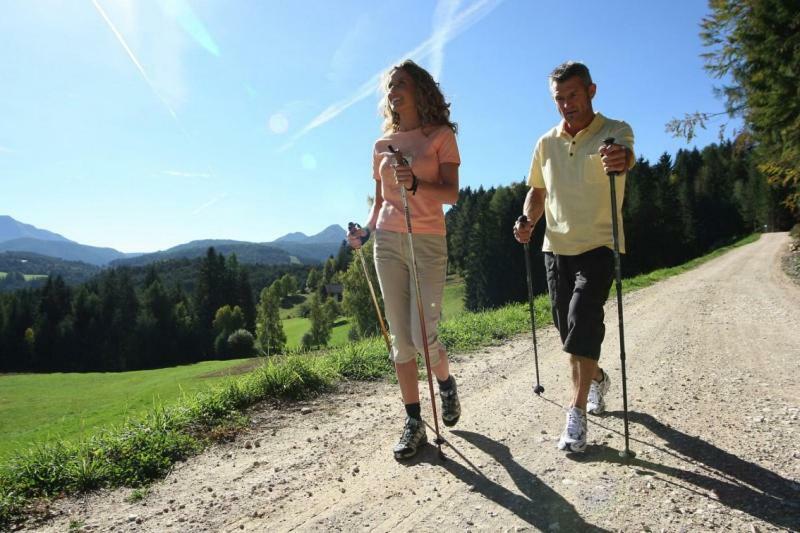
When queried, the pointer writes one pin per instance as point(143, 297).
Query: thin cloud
point(182, 174)
point(442, 24)
point(457, 24)
point(209, 204)
point(343, 58)
point(183, 13)
point(5, 150)
point(136, 62)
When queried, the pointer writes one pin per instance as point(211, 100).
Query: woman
point(417, 151)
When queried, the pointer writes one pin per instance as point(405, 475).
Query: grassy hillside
point(43, 407)
point(295, 328)
point(453, 301)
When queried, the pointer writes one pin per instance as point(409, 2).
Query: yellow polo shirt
point(577, 206)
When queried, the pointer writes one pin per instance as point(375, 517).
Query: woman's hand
point(403, 175)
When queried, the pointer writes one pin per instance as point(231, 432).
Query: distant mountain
point(317, 247)
point(297, 236)
point(16, 236)
point(332, 234)
point(246, 252)
point(68, 250)
point(294, 247)
point(312, 252)
point(13, 229)
point(19, 265)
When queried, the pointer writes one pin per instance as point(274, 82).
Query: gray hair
point(567, 70)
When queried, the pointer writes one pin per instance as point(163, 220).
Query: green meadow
point(44, 407)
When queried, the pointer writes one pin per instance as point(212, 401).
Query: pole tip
point(627, 454)
point(538, 389)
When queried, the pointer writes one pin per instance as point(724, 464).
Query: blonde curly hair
point(432, 108)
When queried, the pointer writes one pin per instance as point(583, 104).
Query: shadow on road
point(737, 483)
point(539, 505)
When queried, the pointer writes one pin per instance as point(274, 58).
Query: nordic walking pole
point(351, 226)
point(538, 389)
point(627, 453)
point(420, 312)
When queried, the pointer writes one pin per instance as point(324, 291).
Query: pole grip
point(608, 141)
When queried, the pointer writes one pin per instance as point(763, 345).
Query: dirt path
point(713, 398)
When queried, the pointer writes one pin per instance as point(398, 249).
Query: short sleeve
point(624, 136)
point(448, 149)
point(376, 161)
point(535, 176)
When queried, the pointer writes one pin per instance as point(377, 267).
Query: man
point(569, 184)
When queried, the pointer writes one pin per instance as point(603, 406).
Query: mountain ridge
point(293, 247)
point(11, 229)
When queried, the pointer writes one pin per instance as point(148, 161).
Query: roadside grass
point(145, 447)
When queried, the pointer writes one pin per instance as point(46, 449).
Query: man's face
point(574, 102)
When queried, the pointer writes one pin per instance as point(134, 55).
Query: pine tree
point(313, 280)
point(244, 299)
point(320, 331)
point(357, 301)
point(269, 328)
point(328, 271)
point(755, 45)
point(209, 295)
point(226, 321)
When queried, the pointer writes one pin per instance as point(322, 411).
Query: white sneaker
point(574, 437)
point(596, 404)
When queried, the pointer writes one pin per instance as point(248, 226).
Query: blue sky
point(141, 125)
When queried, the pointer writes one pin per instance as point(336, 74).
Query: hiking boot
point(596, 404)
point(412, 438)
point(451, 407)
point(574, 437)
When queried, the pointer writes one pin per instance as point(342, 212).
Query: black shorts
point(579, 286)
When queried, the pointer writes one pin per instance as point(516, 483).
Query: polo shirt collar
point(593, 127)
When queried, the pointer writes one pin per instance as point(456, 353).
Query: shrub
point(240, 343)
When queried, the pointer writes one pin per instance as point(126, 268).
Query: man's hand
point(615, 158)
point(523, 229)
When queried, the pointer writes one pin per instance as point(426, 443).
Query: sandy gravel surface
point(713, 400)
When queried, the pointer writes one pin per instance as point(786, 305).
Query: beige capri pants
point(393, 266)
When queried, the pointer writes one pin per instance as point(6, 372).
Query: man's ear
point(592, 90)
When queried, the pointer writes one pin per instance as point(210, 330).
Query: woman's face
point(402, 90)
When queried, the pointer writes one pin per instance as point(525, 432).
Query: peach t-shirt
point(426, 153)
